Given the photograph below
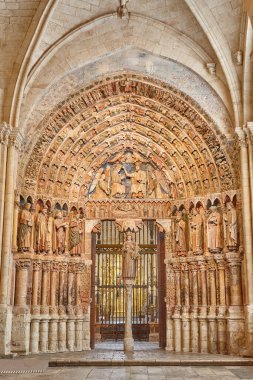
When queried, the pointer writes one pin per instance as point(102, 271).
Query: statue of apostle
point(60, 226)
point(180, 233)
point(196, 231)
point(41, 231)
point(214, 223)
point(230, 225)
point(130, 252)
point(25, 229)
point(76, 229)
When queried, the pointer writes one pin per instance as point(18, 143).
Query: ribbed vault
point(127, 114)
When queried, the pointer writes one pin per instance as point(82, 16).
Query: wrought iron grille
point(109, 288)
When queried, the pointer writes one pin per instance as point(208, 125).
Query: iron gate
point(109, 288)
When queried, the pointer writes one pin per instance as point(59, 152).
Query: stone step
point(148, 362)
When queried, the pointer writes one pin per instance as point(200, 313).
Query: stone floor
point(36, 366)
point(137, 373)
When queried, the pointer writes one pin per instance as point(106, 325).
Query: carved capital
point(46, 265)
point(5, 131)
point(23, 264)
point(37, 265)
point(62, 267)
point(54, 266)
point(220, 264)
point(241, 137)
point(72, 267)
point(15, 139)
point(79, 267)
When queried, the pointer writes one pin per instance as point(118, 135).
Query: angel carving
point(100, 185)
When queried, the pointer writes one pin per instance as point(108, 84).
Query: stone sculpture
point(60, 226)
point(130, 252)
point(76, 231)
point(230, 225)
point(25, 228)
point(214, 227)
point(180, 235)
point(196, 231)
point(117, 188)
point(41, 231)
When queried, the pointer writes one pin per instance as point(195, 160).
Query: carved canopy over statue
point(129, 175)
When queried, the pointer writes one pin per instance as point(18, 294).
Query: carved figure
point(214, 229)
point(180, 233)
point(100, 184)
point(76, 228)
point(117, 188)
point(130, 252)
point(60, 226)
point(41, 231)
point(138, 182)
point(196, 231)
point(25, 228)
point(230, 225)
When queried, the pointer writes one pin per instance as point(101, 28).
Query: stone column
point(53, 323)
point(186, 309)
point(43, 343)
point(62, 308)
point(4, 135)
point(170, 305)
point(212, 308)
point(249, 132)
point(21, 314)
point(194, 308)
point(14, 144)
point(78, 306)
point(70, 308)
point(15, 224)
point(177, 310)
point(203, 309)
point(235, 319)
point(35, 321)
point(128, 338)
point(222, 308)
point(22, 266)
point(247, 232)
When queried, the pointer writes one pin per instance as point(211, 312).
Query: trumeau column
point(247, 233)
point(14, 144)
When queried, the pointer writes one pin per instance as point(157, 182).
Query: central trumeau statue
point(129, 175)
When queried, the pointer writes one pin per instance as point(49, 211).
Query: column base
point(20, 330)
point(128, 344)
point(247, 350)
point(5, 330)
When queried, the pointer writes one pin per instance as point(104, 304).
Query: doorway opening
point(108, 301)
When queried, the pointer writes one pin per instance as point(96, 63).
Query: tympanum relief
point(130, 176)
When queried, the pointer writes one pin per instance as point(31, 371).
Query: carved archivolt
point(128, 121)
